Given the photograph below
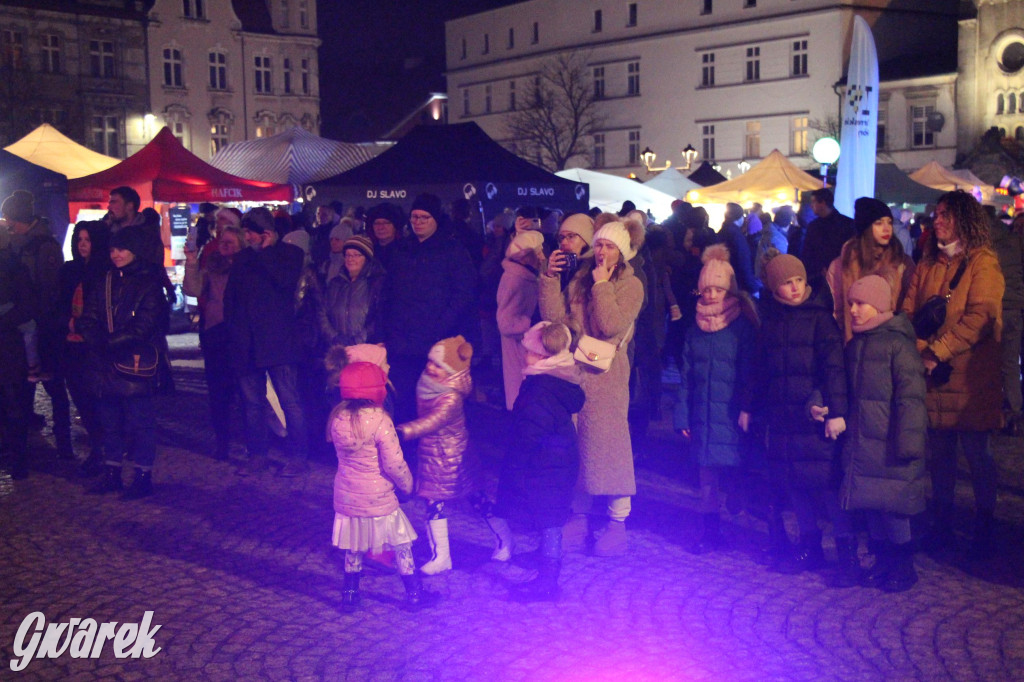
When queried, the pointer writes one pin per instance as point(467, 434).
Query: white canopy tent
point(671, 181)
point(607, 192)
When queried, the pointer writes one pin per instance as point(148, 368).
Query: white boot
point(504, 544)
point(437, 535)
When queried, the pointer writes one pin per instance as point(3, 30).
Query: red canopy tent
point(164, 170)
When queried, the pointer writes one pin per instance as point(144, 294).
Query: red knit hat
point(363, 380)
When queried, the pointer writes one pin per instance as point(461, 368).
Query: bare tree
point(560, 115)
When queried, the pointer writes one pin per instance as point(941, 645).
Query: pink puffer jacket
point(370, 463)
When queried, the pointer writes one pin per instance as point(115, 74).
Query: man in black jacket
point(825, 237)
point(259, 308)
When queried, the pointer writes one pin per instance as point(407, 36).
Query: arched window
point(1000, 105)
point(1011, 103)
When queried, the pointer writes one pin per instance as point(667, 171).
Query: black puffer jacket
point(542, 459)
point(141, 316)
point(800, 355)
point(883, 453)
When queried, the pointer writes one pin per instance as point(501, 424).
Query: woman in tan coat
point(602, 300)
point(962, 359)
point(517, 305)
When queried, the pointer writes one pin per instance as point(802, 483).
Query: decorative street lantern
point(825, 151)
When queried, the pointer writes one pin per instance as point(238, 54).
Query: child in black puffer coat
point(801, 381)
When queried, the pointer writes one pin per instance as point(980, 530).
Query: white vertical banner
point(857, 140)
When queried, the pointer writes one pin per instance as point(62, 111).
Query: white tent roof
point(671, 181)
point(48, 147)
point(607, 192)
point(295, 156)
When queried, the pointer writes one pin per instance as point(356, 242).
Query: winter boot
point(350, 592)
point(504, 543)
point(848, 566)
point(981, 544)
point(441, 559)
point(574, 533)
point(902, 576)
point(710, 535)
point(141, 487)
point(64, 448)
point(110, 481)
point(613, 541)
point(779, 547)
point(416, 597)
point(91, 465)
point(884, 561)
point(542, 588)
point(808, 557)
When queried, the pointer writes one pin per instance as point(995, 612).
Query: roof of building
point(254, 15)
point(126, 9)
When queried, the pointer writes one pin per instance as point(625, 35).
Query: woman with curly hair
point(873, 250)
point(602, 299)
point(962, 359)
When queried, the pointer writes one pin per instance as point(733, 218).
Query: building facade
point(732, 79)
point(79, 65)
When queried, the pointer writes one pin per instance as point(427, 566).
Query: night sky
point(380, 59)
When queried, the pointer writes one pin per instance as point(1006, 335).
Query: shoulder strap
point(110, 305)
point(959, 273)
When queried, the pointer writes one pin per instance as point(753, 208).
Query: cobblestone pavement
point(243, 582)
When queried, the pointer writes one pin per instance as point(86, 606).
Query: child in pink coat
point(367, 516)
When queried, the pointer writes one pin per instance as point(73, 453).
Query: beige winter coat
point(606, 454)
point(517, 303)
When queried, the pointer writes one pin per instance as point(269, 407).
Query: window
point(13, 49)
point(707, 69)
point(465, 102)
point(286, 74)
point(176, 118)
point(266, 124)
point(921, 135)
point(799, 58)
point(598, 82)
point(753, 140)
point(631, 21)
point(462, 53)
point(487, 99)
point(597, 21)
point(304, 73)
point(193, 9)
point(511, 38)
point(1011, 103)
point(105, 136)
point(599, 150)
point(172, 67)
point(101, 58)
point(706, 9)
point(749, 3)
point(51, 53)
point(634, 147)
point(633, 79)
point(263, 80)
point(753, 63)
point(283, 9)
point(707, 138)
point(536, 33)
point(511, 95)
point(1000, 104)
point(218, 71)
point(304, 13)
point(487, 43)
point(883, 115)
point(799, 136)
point(220, 130)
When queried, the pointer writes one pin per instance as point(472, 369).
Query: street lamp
point(743, 166)
point(648, 156)
point(825, 151)
point(690, 154)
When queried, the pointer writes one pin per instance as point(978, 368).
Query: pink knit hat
point(717, 272)
point(873, 290)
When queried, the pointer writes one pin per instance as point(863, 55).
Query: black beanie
point(866, 211)
point(430, 204)
point(130, 238)
point(390, 212)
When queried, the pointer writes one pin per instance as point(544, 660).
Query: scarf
point(807, 295)
point(951, 249)
point(713, 317)
point(877, 320)
point(560, 365)
point(428, 389)
point(336, 265)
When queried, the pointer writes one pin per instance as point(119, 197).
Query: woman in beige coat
point(517, 305)
point(602, 300)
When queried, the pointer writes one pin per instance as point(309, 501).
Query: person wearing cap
point(602, 300)
point(517, 305)
point(259, 308)
point(125, 321)
point(352, 306)
point(884, 448)
point(430, 294)
point(826, 235)
point(964, 406)
point(385, 223)
point(871, 251)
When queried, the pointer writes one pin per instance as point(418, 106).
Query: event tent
point(934, 175)
point(706, 175)
point(607, 192)
point(671, 181)
point(164, 170)
point(48, 147)
point(893, 186)
point(50, 189)
point(294, 157)
point(453, 161)
point(775, 179)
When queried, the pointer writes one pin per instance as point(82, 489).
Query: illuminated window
point(753, 140)
point(799, 136)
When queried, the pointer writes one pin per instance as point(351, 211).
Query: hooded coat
point(886, 429)
point(446, 469)
point(370, 464)
point(800, 356)
point(607, 313)
point(517, 308)
point(969, 340)
point(352, 309)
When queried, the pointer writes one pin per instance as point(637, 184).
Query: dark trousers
point(405, 372)
point(12, 417)
point(128, 427)
point(220, 381)
point(254, 393)
point(82, 394)
point(58, 392)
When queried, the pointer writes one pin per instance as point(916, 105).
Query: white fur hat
point(617, 234)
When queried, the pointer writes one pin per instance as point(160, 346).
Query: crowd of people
point(827, 364)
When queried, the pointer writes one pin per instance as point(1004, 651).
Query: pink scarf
point(714, 317)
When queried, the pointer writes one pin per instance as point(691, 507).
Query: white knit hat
point(617, 234)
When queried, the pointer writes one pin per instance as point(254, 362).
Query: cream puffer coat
point(370, 463)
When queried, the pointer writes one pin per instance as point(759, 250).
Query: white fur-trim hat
point(617, 234)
